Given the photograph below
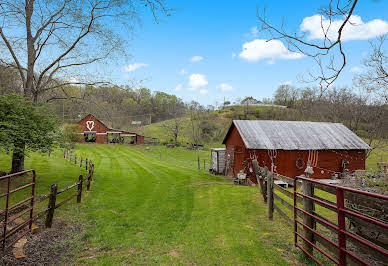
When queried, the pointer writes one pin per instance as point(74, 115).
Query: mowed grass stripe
point(157, 214)
point(145, 211)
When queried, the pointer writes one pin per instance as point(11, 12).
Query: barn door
point(238, 160)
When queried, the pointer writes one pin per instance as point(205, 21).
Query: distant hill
point(210, 126)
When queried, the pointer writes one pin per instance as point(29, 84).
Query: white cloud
point(356, 69)
point(197, 81)
point(73, 80)
point(134, 66)
point(287, 83)
point(355, 30)
point(259, 49)
point(196, 58)
point(225, 87)
point(203, 91)
point(191, 89)
point(183, 72)
point(178, 87)
point(254, 31)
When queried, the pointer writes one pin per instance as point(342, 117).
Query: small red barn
point(96, 131)
point(287, 147)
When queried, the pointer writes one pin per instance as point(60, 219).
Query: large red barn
point(96, 131)
point(286, 147)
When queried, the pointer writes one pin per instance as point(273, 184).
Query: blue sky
point(197, 52)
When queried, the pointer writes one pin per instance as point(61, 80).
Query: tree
point(286, 95)
point(24, 127)
point(324, 52)
point(70, 134)
point(60, 37)
point(173, 127)
point(375, 80)
point(47, 42)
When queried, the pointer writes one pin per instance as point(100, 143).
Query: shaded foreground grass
point(142, 210)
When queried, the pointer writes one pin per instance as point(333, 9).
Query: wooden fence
point(78, 187)
point(324, 239)
point(203, 164)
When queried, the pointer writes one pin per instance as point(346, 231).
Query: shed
point(93, 130)
point(287, 147)
point(218, 160)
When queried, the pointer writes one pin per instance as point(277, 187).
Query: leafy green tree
point(70, 134)
point(24, 127)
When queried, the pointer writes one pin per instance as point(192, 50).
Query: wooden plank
point(282, 201)
point(308, 206)
point(289, 194)
point(41, 198)
point(270, 195)
point(324, 188)
point(327, 201)
point(66, 200)
point(367, 201)
point(334, 251)
point(323, 224)
point(368, 231)
point(288, 219)
point(259, 178)
point(67, 188)
point(359, 199)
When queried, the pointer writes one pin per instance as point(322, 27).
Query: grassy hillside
point(217, 121)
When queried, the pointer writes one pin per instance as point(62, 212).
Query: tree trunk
point(17, 160)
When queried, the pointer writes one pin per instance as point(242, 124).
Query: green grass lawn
point(144, 210)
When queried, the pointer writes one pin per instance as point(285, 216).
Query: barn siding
point(100, 127)
point(285, 159)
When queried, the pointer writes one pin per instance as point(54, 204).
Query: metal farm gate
point(11, 234)
point(340, 253)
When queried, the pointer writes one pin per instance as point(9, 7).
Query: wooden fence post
point(88, 183)
point(80, 162)
point(308, 206)
point(75, 159)
point(79, 195)
point(199, 164)
point(51, 205)
point(86, 164)
point(259, 177)
point(270, 195)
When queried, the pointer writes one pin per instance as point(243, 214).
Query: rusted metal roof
point(297, 135)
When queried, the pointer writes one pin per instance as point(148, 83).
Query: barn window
point(90, 136)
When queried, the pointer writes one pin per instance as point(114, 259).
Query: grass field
point(144, 210)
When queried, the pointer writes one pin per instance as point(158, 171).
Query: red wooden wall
point(329, 161)
point(100, 127)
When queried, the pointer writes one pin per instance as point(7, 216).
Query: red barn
point(287, 147)
point(96, 131)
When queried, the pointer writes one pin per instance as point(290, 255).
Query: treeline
point(118, 106)
point(360, 110)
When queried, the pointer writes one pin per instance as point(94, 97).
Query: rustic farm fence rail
point(54, 191)
point(10, 234)
point(26, 206)
point(334, 240)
